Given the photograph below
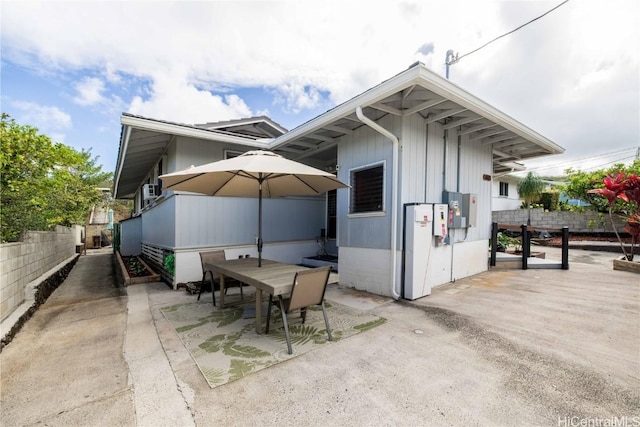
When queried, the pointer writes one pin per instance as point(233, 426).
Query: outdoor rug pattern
point(226, 347)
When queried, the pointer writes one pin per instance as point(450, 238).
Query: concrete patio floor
point(512, 347)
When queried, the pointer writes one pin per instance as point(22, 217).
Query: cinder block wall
point(24, 262)
point(578, 222)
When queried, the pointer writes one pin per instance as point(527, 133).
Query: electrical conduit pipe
point(394, 198)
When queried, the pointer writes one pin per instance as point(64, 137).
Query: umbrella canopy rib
point(183, 181)
point(233, 175)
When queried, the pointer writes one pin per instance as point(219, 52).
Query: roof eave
point(420, 75)
point(188, 131)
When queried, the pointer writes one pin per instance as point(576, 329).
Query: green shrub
point(550, 200)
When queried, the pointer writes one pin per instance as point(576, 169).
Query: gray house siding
point(159, 224)
point(222, 221)
point(131, 236)
point(428, 164)
point(363, 148)
point(188, 223)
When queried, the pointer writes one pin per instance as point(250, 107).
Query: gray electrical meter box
point(470, 208)
point(455, 203)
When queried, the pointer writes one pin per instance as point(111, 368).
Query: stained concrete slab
point(517, 347)
point(500, 348)
point(66, 366)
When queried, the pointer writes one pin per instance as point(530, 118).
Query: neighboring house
point(504, 193)
point(99, 223)
point(406, 140)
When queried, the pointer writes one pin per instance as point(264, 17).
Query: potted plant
point(623, 194)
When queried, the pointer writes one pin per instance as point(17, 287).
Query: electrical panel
point(454, 201)
point(470, 208)
point(422, 214)
point(440, 221)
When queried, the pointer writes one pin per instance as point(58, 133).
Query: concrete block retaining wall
point(24, 262)
point(578, 222)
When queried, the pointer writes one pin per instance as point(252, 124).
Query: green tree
point(43, 184)
point(530, 189)
point(580, 183)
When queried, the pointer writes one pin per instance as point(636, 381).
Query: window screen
point(366, 190)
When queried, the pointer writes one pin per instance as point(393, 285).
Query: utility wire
point(458, 58)
point(609, 163)
point(570, 162)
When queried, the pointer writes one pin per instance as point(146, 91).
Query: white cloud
point(182, 102)
point(572, 75)
point(89, 91)
point(93, 92)
point(49, 120)
point(295, 97)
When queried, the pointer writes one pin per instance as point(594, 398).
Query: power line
point(610, 163)
point(458, 58)
point(567, 163)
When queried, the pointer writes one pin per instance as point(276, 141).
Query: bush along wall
point(550, 200)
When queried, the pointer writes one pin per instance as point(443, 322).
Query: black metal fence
point(526, 242)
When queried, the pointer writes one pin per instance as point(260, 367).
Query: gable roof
point(143, 141)
point(416, 90)
point(419, 90)
point(258, 127)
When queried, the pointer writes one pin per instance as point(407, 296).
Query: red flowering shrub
point(626, 188)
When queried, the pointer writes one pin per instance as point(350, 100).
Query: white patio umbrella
point(253, 174)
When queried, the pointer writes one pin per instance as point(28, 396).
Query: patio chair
point(308, 289)
point(213, 256)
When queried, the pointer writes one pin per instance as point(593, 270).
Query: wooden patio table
point(274, 278)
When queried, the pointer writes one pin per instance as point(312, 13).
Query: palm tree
point(530, 189)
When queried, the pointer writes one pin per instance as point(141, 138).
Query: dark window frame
point(504, 189)
point(367, 189)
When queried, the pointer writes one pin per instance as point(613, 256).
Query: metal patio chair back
point(309, 287)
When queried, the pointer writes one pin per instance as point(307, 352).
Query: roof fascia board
point(155, 126)
point(419, 75)
point(124, 142)
point(248, 121)
point(365, 99)
point(445, 88)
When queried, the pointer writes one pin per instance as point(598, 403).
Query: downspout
point(394, 198)
point(458, 163)
point(445, 159)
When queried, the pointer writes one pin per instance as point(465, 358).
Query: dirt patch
point(135, 267)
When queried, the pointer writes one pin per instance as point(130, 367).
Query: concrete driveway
point(536, 347)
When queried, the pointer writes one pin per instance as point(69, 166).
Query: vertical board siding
point(196, 152)
point(434, 170)
point(131, 236)
point(221, 221)
point(364, 147)
point(159, 224)
point(413, 159)
point(475, 161)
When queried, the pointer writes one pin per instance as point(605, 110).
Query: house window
point(160, 172)
point(504, 189)
point(367, 187)
point(331, 214)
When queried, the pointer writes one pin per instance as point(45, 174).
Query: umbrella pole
point(260, 222)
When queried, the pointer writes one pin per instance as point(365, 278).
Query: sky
point(71, 68)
